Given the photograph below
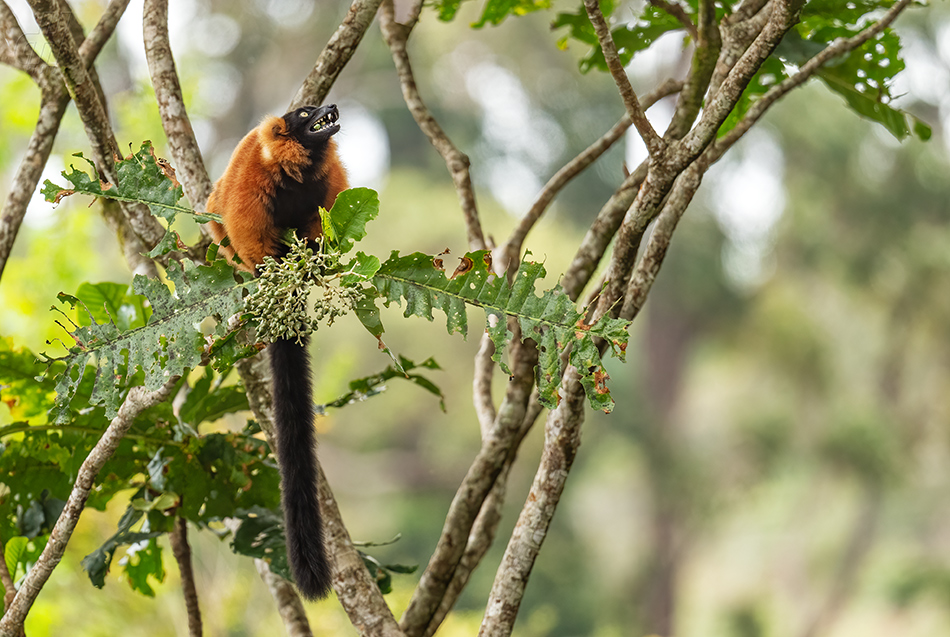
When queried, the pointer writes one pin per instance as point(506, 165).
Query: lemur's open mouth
point(327, 121)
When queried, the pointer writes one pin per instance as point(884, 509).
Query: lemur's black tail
point(296, 452)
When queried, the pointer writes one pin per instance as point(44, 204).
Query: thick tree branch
point(182, 144)
point(512, 248)
point(481, 385)
point(561, 441)
point(178, 538)
point(601, 232)
point(708, 45)
point(649, 265)
point(138, 400)
point(336, 54)
point(82, 89)
point(497, 446)
point(396, 36)
point(654, 143)
point(352, 583)
point(53, 102)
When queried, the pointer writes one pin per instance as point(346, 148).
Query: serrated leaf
point(112, 302)
point(207, 402)
point(496, 11)
point(345, 223)
point(551, 319)
point(168, 345)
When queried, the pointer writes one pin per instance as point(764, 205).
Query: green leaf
point(630, 38)
point(97, 563)
point(13, 551)
point(143, 560)
point(360, 269)
point(368, 314)
point(142, 179)
point(345, 223)
point(550, 319)
point(112, 302)
point(497, 10)
point(19, 389)
point(363, 388)
point(169, 344)
point(261, 535)
point(208, 400)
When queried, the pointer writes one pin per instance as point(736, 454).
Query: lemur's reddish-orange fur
point(242, 194)
point(279, 176)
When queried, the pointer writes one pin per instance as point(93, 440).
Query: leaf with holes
point(551, 319)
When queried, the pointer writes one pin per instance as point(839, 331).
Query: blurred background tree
point(777, 464)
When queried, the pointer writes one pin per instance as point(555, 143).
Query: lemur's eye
point(305, 114)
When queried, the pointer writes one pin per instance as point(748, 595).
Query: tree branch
point(138, 400)
point(676, 10)
point(6, 578)
point(512, 248)
point(354, 587)
point(497, 446)
point(178, 538)
point(654, 143)
point(457, 162)
point(481, 385)
point(53, 102)
point(649, 266)
point(835, 49)
point(336, 54)
point(171, 106)
point(288, 601)
point(561, 441)
point(83, 90)
point(15, 50)
point(708, 45)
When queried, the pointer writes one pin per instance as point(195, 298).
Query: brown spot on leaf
point(439, 265)
point(600, 381)
point(466, 265)
point(61, 194)
point(487, 260)
point(167, 169)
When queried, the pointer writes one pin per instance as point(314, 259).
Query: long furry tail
point(296, 453)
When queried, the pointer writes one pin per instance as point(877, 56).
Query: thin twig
point(512, 248)
point(481, 384)
point(336, 54)
point(396, 36)
point(676, 10)
point(15, 49)
point(182, 145)
point(654, 143)
point(178, 538)
point(288, 602)
point(138, 400)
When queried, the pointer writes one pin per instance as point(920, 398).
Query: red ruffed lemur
point(279, 176)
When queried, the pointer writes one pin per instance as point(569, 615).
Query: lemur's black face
point(313, 125)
